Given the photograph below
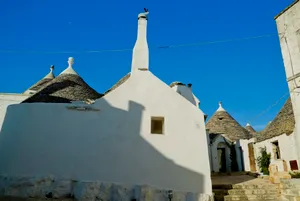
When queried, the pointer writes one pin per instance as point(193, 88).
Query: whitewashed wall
point(186, 92)
point(288, 25)
point(209, 151)
point(245, 152)
point(6, 100)
point(113, 144)
point(288, 150)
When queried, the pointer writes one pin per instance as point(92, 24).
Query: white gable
point(113, 132)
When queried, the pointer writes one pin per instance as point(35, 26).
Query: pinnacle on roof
point(250, 129)
point(50, 75)
point(223, 123)
point(66, 87)
point(69, 69)
point(220, 107)
point(34, 88)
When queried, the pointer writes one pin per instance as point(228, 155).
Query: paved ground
point(237, 179)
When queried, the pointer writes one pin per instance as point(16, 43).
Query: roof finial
point(220, 107)
point(50, 75)
point(70, 62)
point(248, 124)
point(144, 15)
point(70, 69)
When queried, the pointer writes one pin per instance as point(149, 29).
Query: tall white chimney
point(140, 56)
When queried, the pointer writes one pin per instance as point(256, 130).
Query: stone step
point(295, 192)
point(290, 186)
point(219, 198)
point(290, 198)
point(220, 192)
point(222, 186)
point(253, 191)
point(254, 186)
point(251, 197)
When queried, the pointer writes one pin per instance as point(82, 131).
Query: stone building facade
point(288, 25)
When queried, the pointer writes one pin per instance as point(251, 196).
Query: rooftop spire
point(140, 56)
point(220, 107)
point(250, 128)
point(50, 75)
point(69, 69)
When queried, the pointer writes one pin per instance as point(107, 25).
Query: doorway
point(251, 157)
point(222, 159)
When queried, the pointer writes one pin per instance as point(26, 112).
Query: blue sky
point(247, 76)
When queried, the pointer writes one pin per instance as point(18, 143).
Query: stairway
point(220, 191)
point(255, 190)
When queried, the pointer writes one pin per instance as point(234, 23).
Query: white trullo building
point(234, 148)
point(141, 132)
point(278, 139)
point(225, 136)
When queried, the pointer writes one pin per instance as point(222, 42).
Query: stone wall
point(288, 25)
point(51, 187)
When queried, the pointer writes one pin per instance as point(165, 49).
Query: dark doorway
point(222, 159)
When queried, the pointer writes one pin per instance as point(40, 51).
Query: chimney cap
point(144, 15)
point(189, 85)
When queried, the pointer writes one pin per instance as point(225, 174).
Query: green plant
point(263, 161)
point(295, 174)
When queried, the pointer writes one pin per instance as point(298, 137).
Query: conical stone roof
point(223, 123)
point(66, 87)
point(283, 123)
point(250, 129)
point(40, 84)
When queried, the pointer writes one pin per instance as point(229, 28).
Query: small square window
point(157, 125)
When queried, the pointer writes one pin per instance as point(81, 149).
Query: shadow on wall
point(106, 145)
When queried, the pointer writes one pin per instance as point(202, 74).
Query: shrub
point(295, 175)
point(263, 161)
